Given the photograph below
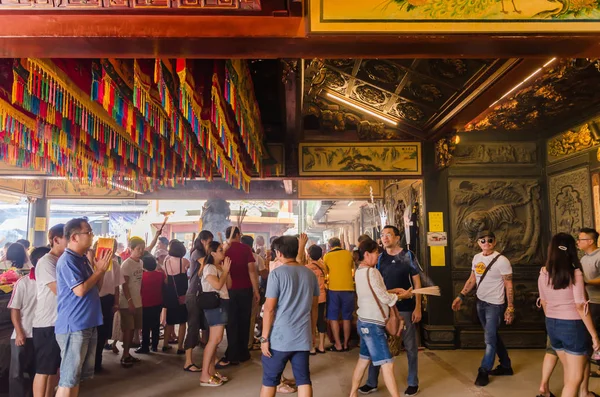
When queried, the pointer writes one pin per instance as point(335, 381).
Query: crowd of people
point(282, 300)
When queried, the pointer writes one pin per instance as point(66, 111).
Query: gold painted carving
point(571, 142)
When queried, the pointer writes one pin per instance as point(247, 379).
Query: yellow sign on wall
point(438, 253)
point(454, 16)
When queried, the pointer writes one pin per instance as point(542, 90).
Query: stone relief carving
point(505, 153)
point(570, 201)
point(510, 208)
point(571, 142)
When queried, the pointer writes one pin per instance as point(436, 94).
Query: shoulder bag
point(392, 322)
point(180, 297)
point(207, 300)
point(393, 325)
point(474, 314)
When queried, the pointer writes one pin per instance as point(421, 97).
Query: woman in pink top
point(568, 323)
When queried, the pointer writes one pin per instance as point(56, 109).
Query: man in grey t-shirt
point(289, 318)
point(590, 262)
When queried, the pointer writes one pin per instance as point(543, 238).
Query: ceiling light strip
point(361, 108)
point(523, 82)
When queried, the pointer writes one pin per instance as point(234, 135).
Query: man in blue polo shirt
point(79, 311)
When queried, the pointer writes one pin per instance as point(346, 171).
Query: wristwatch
point(262, 339)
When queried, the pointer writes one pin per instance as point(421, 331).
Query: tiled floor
point(441, 373)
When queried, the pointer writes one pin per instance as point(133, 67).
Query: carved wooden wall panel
point(509, 153)
point(508, 207)
point(570, 201)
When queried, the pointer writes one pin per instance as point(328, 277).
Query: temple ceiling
point(390, 99)
point(561, 95)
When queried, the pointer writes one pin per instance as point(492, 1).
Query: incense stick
point(433, 291)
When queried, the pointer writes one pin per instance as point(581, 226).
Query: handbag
point(394, 324)
point(180, 297)
point(207, 300)
point(393, 321)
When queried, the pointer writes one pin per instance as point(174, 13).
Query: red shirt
point(152, 284)
point(240, 255)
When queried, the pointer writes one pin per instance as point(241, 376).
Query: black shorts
point(47, 351)
point(321, 320)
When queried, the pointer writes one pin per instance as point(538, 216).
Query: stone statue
point(215, 216)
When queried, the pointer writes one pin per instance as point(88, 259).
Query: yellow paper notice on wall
point(436, 221)
point(438, 256)
point(40, 224)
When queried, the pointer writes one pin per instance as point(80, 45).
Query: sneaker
point(411, 391)
point(154, 349)
point(366, 389)
point(482, 378)
point(502, 371)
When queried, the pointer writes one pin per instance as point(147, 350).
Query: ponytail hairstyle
point(198, 245)
point(366, 246)
point(213, 246)
point(562, 261)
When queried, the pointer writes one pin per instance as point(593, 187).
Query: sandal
point(332, 348)
point(189, 368)
point(285, 389)
point(320, 351)
point(222, 377)
point(222, 364)
point(212, 382)
point(125, 363)
point(289, 382)
point(313, 353)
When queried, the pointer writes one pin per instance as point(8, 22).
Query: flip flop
point(189, 368)
point(320, 351)
point(332, 348)
point(222, 364)
point(551, 395)
point(594, 374)
point(285, 389)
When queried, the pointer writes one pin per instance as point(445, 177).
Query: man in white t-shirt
point(47, 351)
point(494, 288)
point(130, 300)
point(22, 309)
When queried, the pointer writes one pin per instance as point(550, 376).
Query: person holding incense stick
point(491, 276)
point(399, 269)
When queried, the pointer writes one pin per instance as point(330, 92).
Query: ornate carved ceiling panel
point(566, 92)
point(414, 93)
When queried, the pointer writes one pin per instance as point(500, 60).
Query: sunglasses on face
point(486, 240)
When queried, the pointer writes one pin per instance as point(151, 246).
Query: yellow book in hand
point(105, 244)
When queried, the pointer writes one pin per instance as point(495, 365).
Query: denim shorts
point(218, 316)
point(340, 302)
point(78, 355)
point(570, 336)
point(373, 343)
point(273, 367)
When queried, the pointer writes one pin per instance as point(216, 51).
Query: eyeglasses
point(489, 240)
point(388, 235)
point(90, 233)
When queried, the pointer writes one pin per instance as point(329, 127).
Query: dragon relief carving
point(510, 209)
point(571, 142)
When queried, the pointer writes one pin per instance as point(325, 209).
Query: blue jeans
point(373, 343)
point(409, 336)
point(491, 317)
point(78, 354)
